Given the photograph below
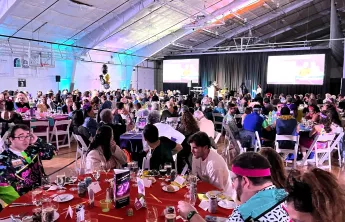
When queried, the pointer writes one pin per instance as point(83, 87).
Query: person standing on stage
point(243, 89)
point(259, 90)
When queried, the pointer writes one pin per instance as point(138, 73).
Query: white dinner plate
point(175, 188)
point(56, 216)
point(226, 204)
point(63, 197)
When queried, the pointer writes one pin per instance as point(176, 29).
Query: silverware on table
point(22, 205)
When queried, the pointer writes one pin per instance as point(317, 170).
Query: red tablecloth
point(168, 199)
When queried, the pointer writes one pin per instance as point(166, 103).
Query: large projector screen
point(181, 71)
point(296, 69)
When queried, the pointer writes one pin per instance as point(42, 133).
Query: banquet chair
point(146, 161)
point(217, 137)
point(3, 142)
point(335, 145)
point(81, 150)
point(175, 160)
point(45, 133)
point(257, 142)
point(326, 151)
point(57, 132)
point(242, 150)
point(286, 152)
point(230, 143)
point(216, 122)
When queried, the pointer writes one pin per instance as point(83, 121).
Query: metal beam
point(293, 26)
point(170, 38)
point(99, 34)
point(258, 22)
point(310, 33)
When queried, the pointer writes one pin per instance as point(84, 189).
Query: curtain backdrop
point(230, 70)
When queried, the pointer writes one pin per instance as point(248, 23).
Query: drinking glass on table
point(36, 196)
point(48, 211)
point(96, 173)
point(151, 214)
point(106, 170)
point(60, 181)
point(168, 167)
point(73, 175)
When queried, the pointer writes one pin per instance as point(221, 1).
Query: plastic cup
point(104, 205)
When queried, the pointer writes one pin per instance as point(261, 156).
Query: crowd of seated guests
point(101, 117)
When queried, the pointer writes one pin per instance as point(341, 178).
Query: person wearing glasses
point(21, 166)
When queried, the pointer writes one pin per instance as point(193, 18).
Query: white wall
point(42, 79)
point(143, 77)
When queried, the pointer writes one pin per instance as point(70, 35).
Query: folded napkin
point(202, 196)
point(51, 121)
point(204, 204)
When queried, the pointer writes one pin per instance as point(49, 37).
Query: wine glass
point(60, 181)
point(36, 196)
point(96, 174)
point(73, 175)
point(106, 170)
point(151, 214)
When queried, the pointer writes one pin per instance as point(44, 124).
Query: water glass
point(48, 210)
point(151, 214)
point(168, 167)
point(36, 196)
point(61, 180)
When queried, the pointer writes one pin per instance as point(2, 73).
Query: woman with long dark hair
point(187, 127)
point(315, 196)
point(104, 151)
point(277, 166)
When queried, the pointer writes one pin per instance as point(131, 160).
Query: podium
point(211, 91)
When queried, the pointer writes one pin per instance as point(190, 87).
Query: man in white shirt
point(204, 124)
point(207, 164)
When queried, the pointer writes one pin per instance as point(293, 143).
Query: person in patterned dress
point(261, 200)
point(21, 164)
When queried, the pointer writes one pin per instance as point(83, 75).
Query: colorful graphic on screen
point(296, 69)
point(181, 71)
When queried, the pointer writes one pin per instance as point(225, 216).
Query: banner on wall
point(21, 82)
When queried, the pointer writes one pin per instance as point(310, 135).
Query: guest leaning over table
point(162, 148)
point(21, 166)
point(261, 200)
point(207, 164)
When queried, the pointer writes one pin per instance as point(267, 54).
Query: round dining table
point(155, 197)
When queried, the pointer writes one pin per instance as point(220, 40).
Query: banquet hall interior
point(172, 110)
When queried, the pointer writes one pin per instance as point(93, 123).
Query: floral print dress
point(24, 173)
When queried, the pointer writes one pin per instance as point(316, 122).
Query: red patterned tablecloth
point(168, 199)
